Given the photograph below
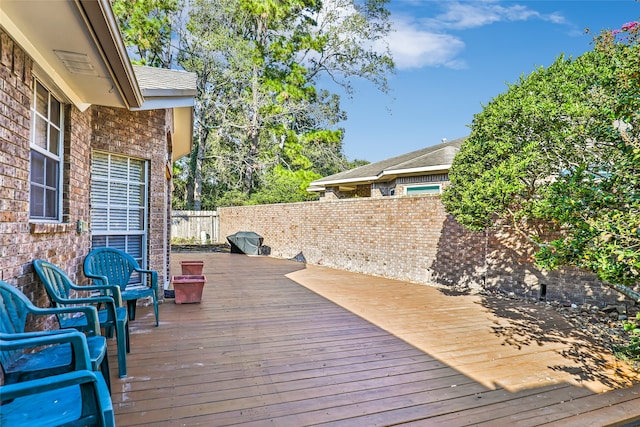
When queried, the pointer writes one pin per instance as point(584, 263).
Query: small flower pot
point(192, 268)
point(188, 288)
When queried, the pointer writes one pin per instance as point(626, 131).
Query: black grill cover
point(245, 242)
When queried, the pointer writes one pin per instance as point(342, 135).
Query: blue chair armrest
point(90, 312)
point(96, 277)
point(36, 334)
point(109, 302)
point(154, 276)
point(104, 299)
point(77, 340)
point(105, 290)
point(108, 290)
point(26, 388)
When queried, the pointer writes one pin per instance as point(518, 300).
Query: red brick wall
point(397, 237)
point(140, 134)
point(510, 268)
point(407, 238)
point(20, 240)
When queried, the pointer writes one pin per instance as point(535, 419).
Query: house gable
point(392, 177)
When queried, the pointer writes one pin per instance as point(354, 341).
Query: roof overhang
point(383, 176)
point(315, 189)
point(413, 171)
point(342, 184)
point(77, 48)
point(359, 180)
point(175, 90)
point(78, 52)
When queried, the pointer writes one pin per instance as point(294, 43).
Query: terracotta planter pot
point(192, 268)
point(188, 288)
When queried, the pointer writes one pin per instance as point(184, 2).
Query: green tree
point(557, 158)
point(146, 25)
point(179, 191)
point(285, 186)
point(259, 65)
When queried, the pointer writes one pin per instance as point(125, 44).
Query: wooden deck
point(278, 343)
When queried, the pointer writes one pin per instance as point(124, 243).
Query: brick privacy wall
point(510, 268)
point(397, 237)
point(141, 134)
point(411, 239)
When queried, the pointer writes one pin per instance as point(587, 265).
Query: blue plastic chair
point(79, 397)
point(55, 359)
point(59, 287)
point(110, 266)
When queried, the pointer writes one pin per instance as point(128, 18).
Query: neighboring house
point(86, 141)
point(424, 171)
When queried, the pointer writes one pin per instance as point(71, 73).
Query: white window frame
point(109, 234)
point(55, 158)
point(407, 189)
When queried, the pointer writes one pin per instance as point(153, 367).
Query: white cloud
point(463, 15)
point(429, 42)
point(412, 47)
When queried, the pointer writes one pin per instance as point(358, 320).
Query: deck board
point(276, 343)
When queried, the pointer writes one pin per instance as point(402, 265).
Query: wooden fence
point(195, 226)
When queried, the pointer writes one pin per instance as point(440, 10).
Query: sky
point(453, 56)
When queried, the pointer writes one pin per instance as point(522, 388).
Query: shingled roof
point(164, 82)
point(430, 159)
point(164, 88)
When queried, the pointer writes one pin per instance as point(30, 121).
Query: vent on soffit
point(76, 63)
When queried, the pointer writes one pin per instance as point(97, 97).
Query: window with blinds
point(119, 203)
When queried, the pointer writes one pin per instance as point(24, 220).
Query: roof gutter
point(415, 170)
point(103, 26)
point(363, 179)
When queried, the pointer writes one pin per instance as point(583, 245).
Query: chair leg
point(122, 335)
point(108, 331)
point(131, 308)
point(128, 339)
point(104, 368)
point(155, 310)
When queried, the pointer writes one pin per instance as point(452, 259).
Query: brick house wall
point(21, 241)
point(142, 134)
point(407, 181)
point(408, 238)
point(383, 189)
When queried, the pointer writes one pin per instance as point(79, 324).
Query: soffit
point(84, 31)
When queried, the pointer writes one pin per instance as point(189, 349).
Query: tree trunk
point(197, 175)
point(253, 137)
point(626, 291)
point(193, 158)
point(251, 162)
